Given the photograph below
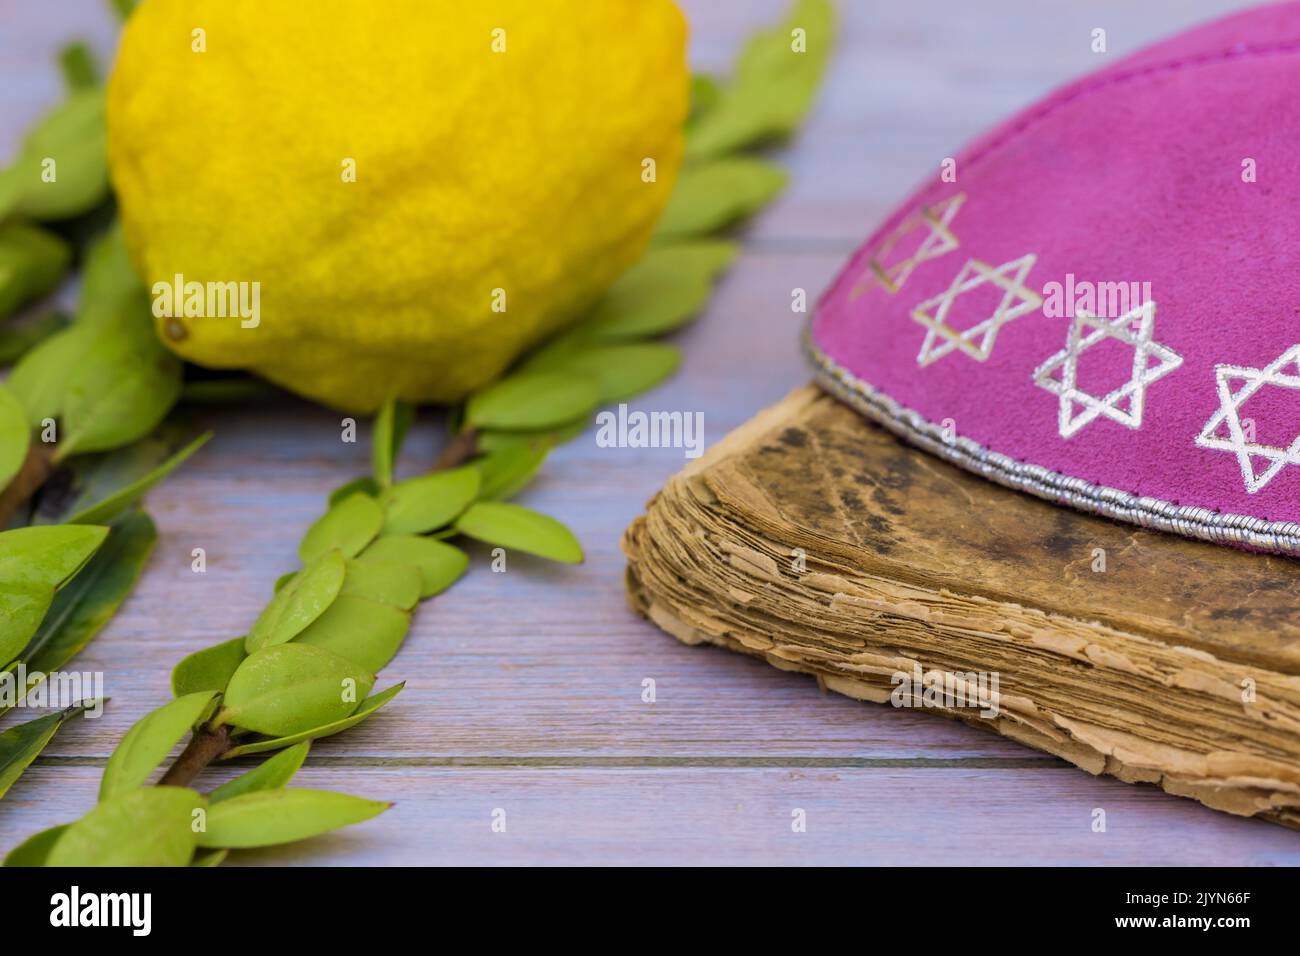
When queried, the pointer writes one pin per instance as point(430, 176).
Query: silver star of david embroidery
point(976, 341)
point(1134, 328)
point(939, 241)
point(1229, 407)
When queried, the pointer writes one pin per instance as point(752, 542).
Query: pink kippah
point(1098, 302)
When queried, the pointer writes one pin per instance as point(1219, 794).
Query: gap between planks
point(567, 762)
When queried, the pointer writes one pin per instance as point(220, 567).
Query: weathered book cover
point(819, 542)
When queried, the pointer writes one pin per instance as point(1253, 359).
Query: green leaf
point(368, 707)
point(301, 601)
point(150, 826)
point(270, 817)
point(77, 63)
point(41, 379)
point(108, 280)
point(490, 441)
point(146, 745)
point(772, 88)
point(430, 501)
point(272, 774)
point(388, 582)
point(123, 389)
point(718, 193)
point(705, 93)
point(348, 526)
point(209, 858)
point(365, 632)
point(365, 486)
point(520, 528)
point(668, 287)
point(288, 688)
point(621, 371)
point(209, 669)
point(32, 263)
point(391, 425)
point(507, 471)
point(35, 850)
point(441, 565)
point(91, 599)
point(20, 745)
point(15, 436)
point(72, 134)
point(109, 507)
point(532, 400)
point(17, 340)
point(34, 563)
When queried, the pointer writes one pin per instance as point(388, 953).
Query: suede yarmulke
point(1102, 306)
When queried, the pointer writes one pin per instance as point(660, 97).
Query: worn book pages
point(819, 542)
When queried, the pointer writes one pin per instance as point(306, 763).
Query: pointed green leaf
point(34, 563)
point(349, 526)
point(273, 773)
point(209, 858)
point(776, 78)
point(507, 471)
point(209, 669)
point(705, 93)
point(430, 501)
point(146, 745)
point(110, 507)
point(368, 707)
point(288, 688)
point(301, 601)
point(269, 817)
point(441, 565)
point(718, 193)
point(73, 135)
point(123, 389)
point(388, 582)
point(365, 632)
point(365, 486)
point(89, 600)
point(151, 826)
point(32, 263)
point(532, 400)
point(77, 63)
point(15, 436)
point(107, 280)
point(20, 745)
point(520, 528)
point(35, 850)
point(116, 479)
point(42, 378)
point(668, 287)
point(621, 371)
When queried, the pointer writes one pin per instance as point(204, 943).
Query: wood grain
point(546, 664)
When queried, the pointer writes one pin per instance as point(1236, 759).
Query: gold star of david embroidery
point(1134, 328)
point(1229, 412)
point(940, 240)
point(976, 341)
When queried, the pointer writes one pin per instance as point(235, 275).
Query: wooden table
point(524, 689)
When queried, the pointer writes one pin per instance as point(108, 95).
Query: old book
point(817, 541)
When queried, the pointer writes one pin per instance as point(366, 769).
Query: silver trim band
point(1192, 521)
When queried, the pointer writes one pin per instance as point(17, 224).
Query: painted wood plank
point(733, 815)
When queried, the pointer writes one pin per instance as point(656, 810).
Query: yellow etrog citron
point(422, 189)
